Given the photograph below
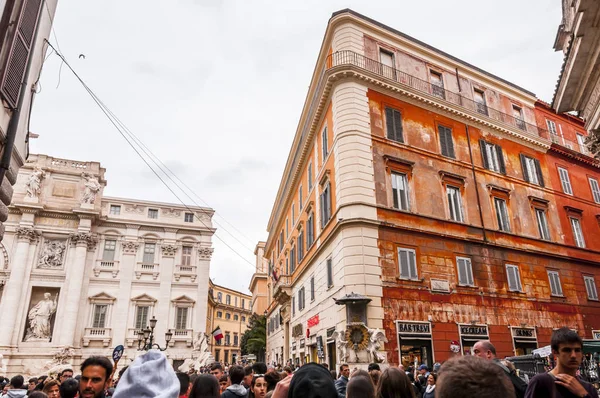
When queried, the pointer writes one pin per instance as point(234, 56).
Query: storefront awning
point(590, 346)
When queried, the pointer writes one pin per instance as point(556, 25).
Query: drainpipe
point(476, 186)
point(13, 124)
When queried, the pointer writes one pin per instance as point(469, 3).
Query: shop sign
point(320, 352)
point(313, 321)
point(596, 334)
point(302, 343)
point(297, 330)
point(523, 332)
point(468, 330)
point(414, 328)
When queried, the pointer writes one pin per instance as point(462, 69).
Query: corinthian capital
point(27, 233)
point(84, 239)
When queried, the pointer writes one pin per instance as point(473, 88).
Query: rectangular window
point(149, 250)
point(227, 315)
point(228, 299)
point(219, 314)
point(301, 299)
point(325, 205)
point(479, 97)
point(393, 124)
point(454, 203)
point(293, 306)
point(492, 157)
point(325, 144)
point(310, 177)
point(595, 189)
point(141, 317)
point(387, 64)
point(577, 232)
point(465, 271)
point(243, 303)
point(532, 171)
point(100, 316)
point(518, 115)
point(590, 287)
point(400, 191)
point(542, 223)
point(181, 318)
point(189, 217)
point(115, 210)
point(287, 228)
point(220, 297)
point(281, 241)
point(407, 262)
point(329, 266)
point(110, 247)
point(186, 255)
point(300, 199)
point(235, 340)
point(581, 143)
point(565, 181)
point(292, 259)
point(293, 214)
point(300, 246)
point(437, 84)
point(514, 278)
point(502, 214)
point(312, 288)
point(555, 286)
point(446, 143)
point(310, 230)
point(153, 213)
point(551, 127)
point(227, 340)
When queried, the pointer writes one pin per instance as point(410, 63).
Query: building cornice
point(573, 155)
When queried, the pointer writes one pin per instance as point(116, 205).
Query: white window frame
point(555, 284)
point(187, 259)
point(115, 210)
point(590, 287)
point(565, 181)
point(516, 275)
point(455, 209)
point(581, 143)
point(492, 157)
point(595, 188)
point(105, 316)
point(148, 308)
point(325, 144)
point(577, 231)
point(400, 191)
point(468, 270)
point(410, 255)
point(551, 127)
point(187, 318)
point(542, 223)
point(113, 243)
point(502, 217)
point(147, 251)
point(480, 105)
point(532, 171)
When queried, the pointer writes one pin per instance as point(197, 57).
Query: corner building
point(423, 183)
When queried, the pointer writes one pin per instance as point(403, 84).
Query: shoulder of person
point(589, 387)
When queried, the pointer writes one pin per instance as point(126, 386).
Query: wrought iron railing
point(347, 57)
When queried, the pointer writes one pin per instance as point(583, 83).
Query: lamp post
point(146, 337)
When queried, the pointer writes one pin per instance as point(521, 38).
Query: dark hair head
point(17, 382)
point(216, 366)
point(333, 374)
point(223, 378)
point(287, 369)
point(325, 365)
point(472, 376)
point(122, 371)
point(260, 368)
point(184, 382)
point(236, 374)
point(360, 386)
point(375, 375)
point(560, 336)
point(98, 361)
point(62, 372)
point(49, 385)
point(342, 366)
point(312, 380)
point(272, 378)
point(33, 380)
point(205, 386)
point(394, 383)
point(434, 375)
point(37, 394)
point(374, 366)
point(69, 388)
point(248, 370)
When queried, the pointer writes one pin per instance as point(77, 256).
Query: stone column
point(15, 284)
point(163, 306)
point(82, 242)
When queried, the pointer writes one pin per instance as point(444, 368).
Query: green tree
point(254, 339)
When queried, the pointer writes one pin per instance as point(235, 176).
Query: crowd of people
point(479, 375)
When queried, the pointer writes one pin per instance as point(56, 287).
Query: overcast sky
point(215, 89)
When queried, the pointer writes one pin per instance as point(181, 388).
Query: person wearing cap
point(150, 375)
point(424, 371)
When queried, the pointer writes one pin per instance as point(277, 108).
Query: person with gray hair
point(486, 350)
point(472, 376)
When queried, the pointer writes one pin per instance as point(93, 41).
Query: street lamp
point(146, 337)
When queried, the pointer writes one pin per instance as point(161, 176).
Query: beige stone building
point(229, 310)
point(258, 283)
point(82, 270)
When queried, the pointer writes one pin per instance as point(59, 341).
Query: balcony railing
point(146, 268)
point(97, 334)
point(347, 57)
point(573, 145)
point(185, 269)
point(106, 266)
point(186, 335)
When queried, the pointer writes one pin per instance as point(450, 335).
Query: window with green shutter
point(393, 123)
point(446, 143)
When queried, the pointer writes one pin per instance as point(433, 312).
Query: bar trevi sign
point(414, 328)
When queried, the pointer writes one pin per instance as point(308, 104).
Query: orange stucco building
point(437, 195)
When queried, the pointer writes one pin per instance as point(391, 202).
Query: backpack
point(519, 384)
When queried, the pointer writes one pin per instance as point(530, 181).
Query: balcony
point(186, 335)
point(282, 291)
point(103, 335)
point(146, 269)
point(105, 266)
point(185, 270)
point(572, 145)
point(341, 58)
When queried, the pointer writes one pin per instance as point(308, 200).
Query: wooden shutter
point(329, 272)
point(403, 262)
point(500, 158)
point(484, 158)
point(538, 170)
point(393, 123)
point(446, 143)
point(398, 126)
point(20, 51)
point(524, 167)
point(312, 288)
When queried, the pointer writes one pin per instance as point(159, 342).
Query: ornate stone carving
point(52, 254)
point(203, 216)
point(168, 250)
point(174, 213)
point(130, 247)
point(34, 183)
point(90, 240)
point(39, 319)
point(134, 209)
point(205, 252)
point(92, 186)
point(28, 234)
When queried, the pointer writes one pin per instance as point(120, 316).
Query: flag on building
point(217, 333)
point(275, 277)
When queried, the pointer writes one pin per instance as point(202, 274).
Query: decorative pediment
point(183, 301)
point(144, 299)
point(102, 298)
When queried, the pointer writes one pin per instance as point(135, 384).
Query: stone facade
point(108, 265)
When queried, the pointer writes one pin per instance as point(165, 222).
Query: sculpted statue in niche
point(52, 254)
point(39, 316)
point(34, 183)
point(92, 186)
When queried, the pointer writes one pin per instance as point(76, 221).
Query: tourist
point(224, 382)
point(95, 372)
point(69, 388)
point(416, 386)
point(486, 350)
point(51, 389)
point(37, 394)
point(235, 390)
point(65, 374)
point(248, 376)
point(32, 383)
point(184, 384)
point(150, 375)
point(259, 368)
point(272, 378)
point(17, 387)
point(562, 381)
point(430, 389)
point(472, 376)
point(394, 383)
point(258, 387)
point(287, 370)
point(360, 385)
point(310, 381)
point(216, 370)
point(205, 386)
point(342, 382)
